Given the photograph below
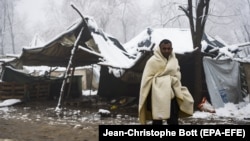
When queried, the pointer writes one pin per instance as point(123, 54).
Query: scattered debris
point(104, 113)
point(121, 102)
point(10, 102)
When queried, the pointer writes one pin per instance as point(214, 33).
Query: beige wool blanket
point(162, 76)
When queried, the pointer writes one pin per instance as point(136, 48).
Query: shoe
point(205, 106)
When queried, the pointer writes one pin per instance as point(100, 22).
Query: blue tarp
point(223, 81)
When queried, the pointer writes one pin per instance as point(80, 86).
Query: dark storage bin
point(75, 87)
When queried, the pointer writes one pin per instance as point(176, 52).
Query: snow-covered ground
point(11, 108)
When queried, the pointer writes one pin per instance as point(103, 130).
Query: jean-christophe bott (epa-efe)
point(152, 132)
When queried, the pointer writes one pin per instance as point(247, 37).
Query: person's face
point(166, 49)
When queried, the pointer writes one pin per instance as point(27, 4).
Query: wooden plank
point(12, 90)
point(16, 90)
point(40, 90)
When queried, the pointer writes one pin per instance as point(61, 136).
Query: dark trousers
point(174, 115)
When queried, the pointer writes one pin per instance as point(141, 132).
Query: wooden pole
point(74, 49)
point(70, 81)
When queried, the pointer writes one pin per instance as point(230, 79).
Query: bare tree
point(244, 20)
point(10, 15)
point(167, 14)
point(3, 24)
point(197, 13)
point(6, 26)
point(105, 13)
point(125, 19)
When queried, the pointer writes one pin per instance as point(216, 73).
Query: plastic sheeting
point(223, 81)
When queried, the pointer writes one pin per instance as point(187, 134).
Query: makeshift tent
point(227, 74)
point(95, 47)
point(243, 56)
point(223, 81)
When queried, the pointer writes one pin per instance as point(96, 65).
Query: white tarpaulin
point(223, 81)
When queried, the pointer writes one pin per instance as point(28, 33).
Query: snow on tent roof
point(112, 51)
point(94, 46)
point(58, 51)
point(181, 39)
point(150, 38)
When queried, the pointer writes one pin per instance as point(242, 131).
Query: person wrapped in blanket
point(162, 96)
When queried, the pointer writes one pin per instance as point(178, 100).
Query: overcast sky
point(34, 9)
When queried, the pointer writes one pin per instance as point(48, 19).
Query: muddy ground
point(37, 120)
